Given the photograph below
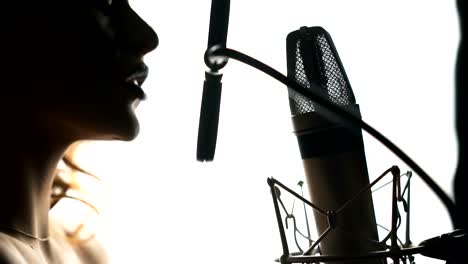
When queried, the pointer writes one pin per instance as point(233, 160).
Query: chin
point(126, 134)
point(120, 125)
point(127, 128)
point(129, 134)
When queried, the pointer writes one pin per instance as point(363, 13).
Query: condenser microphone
point(211, 98)
point(332, 150)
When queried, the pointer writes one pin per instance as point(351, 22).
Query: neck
point(27, 174)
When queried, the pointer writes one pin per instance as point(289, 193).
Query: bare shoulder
point(5, 250)
point(59, 249)
point(9, 251)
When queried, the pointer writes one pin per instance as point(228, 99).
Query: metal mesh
point(314, 63)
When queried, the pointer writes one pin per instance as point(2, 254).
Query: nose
point(135, 35)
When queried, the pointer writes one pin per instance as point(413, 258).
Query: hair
point(68, 185)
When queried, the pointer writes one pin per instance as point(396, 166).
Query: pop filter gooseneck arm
point(220, 53)
point(212, 86)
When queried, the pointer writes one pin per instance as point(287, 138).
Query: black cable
point(218, 51)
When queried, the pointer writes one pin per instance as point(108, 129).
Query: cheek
point(72, 63)
point(82, 72)
point(81, 49)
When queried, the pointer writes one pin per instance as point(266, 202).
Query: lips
point(138, 75)
point(134, 90)
point(134, 80)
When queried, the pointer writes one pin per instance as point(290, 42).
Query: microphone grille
point(313, 62)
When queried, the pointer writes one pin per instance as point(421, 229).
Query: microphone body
point(335, 168)
point(332, 151)
point(209, 112)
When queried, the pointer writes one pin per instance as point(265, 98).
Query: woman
point(71, 70)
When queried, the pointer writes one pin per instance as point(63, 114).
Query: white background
point(165, 207)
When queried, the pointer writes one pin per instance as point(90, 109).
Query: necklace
point(41, 239)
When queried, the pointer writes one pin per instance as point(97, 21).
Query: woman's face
point(76, 66)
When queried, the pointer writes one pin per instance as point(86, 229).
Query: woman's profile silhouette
point(72, 71)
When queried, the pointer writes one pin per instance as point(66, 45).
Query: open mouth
point(139, 76)
point(134, 88)
point(135, 80)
